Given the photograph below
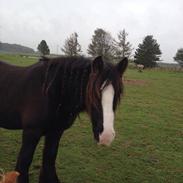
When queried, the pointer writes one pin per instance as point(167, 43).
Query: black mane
point(74, 77)
point(63, 79)
point(69, 75)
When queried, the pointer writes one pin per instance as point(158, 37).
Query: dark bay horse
point(44, 100)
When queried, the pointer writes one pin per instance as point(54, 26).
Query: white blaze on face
point(108, 134)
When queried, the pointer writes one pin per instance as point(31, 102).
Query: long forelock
point(118, 90)
point(112, 77)
point(96, 83)
point(93, 93)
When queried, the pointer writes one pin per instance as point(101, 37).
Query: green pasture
point(20, 60)
point(148, 147)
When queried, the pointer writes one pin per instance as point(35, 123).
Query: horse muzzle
point(106, 138)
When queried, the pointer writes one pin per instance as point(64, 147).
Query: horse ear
point(122, 65)
point(97, 64)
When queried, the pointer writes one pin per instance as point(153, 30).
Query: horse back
point(21, 99)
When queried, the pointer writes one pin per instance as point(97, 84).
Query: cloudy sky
point(27, 22)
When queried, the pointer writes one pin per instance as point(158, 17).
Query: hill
point(15, 48)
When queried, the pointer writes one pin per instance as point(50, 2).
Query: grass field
point(17, 59)
point(149, 143)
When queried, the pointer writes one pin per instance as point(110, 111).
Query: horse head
point(103, 94)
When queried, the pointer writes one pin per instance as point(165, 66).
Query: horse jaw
point(108, 134)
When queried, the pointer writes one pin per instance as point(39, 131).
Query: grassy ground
point(18, 59)
point(149, 143)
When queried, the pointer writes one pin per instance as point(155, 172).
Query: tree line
point(102, 43)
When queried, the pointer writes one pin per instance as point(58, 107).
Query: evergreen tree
point(72, 46)
point(102, 44)
point(43, 48)
point(179, 57)
point(148, 52)
point(123, 47)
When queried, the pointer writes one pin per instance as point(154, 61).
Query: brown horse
point(44, 100)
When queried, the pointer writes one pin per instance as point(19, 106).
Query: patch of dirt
point(135, 82)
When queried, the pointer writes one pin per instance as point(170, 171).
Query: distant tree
point(123, 47)
point(43, 48)
point(148, 52)
point(72, 46)
point(102, 44)
point(179, 57)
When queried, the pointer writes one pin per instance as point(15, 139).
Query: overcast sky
point(27, 22)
